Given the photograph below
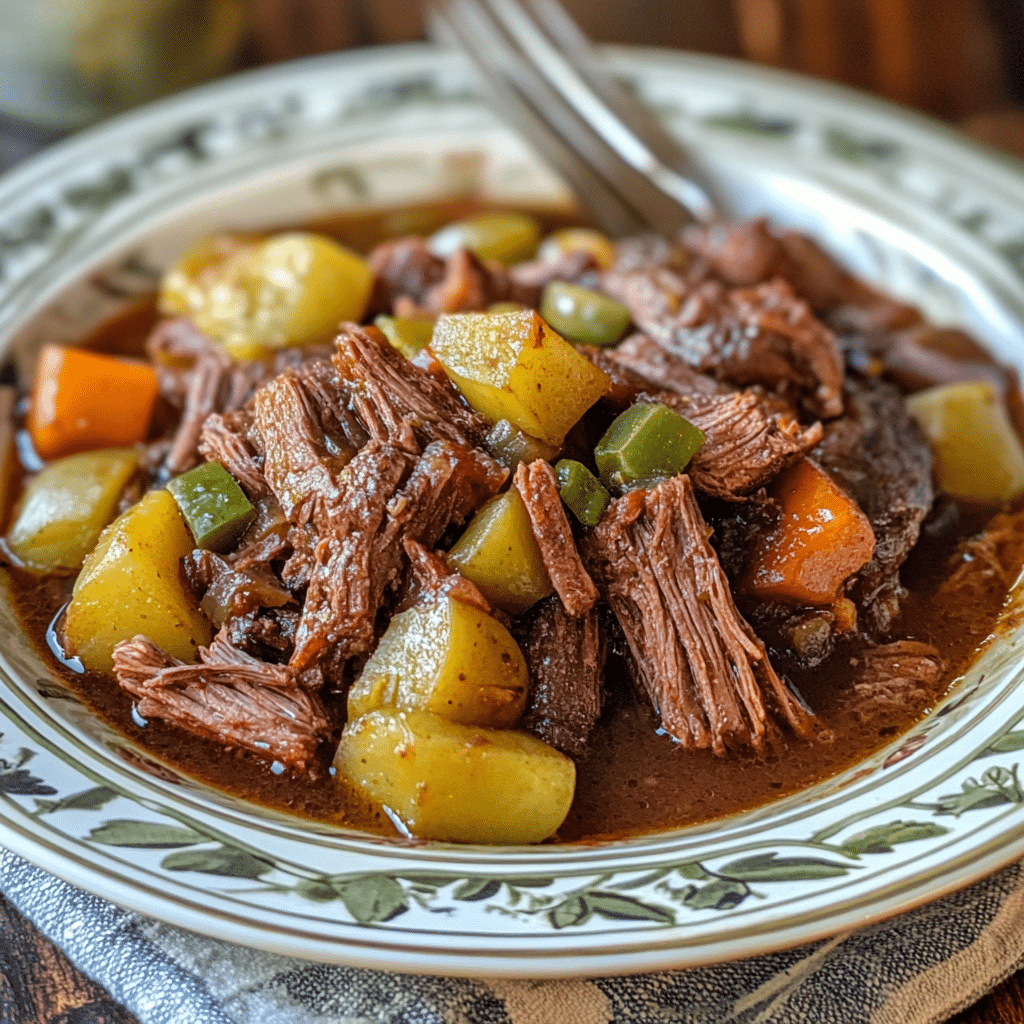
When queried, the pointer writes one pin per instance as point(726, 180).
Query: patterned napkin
point(920, 968)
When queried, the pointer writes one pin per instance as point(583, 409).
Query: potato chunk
point(499, 554)
point(512, 366)
point(458, 783)
point(289, 289)
point(978, 455)
point(131, 584)
point(448, 658)
point(65, 507)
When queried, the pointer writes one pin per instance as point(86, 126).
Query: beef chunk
point(566, 656)
point(403, 267)
point(430, 579)
point(211, 383)
point(570, 266)
point(704, 668)
point(350, 568)
point(891, 679)
point(229, 697)
point(539, 490)
point(227, 591)
point(390, 394)
point(742, 254)
point(300, 464)
point(176, 341)
point(746, 442)
point(352, 522)
point(664, 369)
point(759, 335)
point(223, 440)
point(472, 284)
point(877, 453)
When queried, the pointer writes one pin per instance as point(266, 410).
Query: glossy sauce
point(633, 780)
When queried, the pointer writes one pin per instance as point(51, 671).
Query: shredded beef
point(704, 668)
point(472, 284)
point(570, 266)
point(390, 394)
point(877, 453)
point(746, 443)
point(403, 267)
point(350, 519)
point(566, 656)
point(227, 591)
point(891, 679)
point(177, 341)
point(539, 490)
point(350, 568)
point(221, 440)
point(744, 253)
point(229, 697)
point(430, 579)
point(210, 383)
point(299, 463)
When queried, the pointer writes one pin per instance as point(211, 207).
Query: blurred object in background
point(951, 58)
point(68, 63)
point(942, 56)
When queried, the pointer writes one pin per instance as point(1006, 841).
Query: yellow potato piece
point(458, 783)
point(978, 455)
point(448, 658)
point(65, 507)
point(185, 286)
point(289, 289)
point(131, 584)
point(512, 366)
point(499, 554)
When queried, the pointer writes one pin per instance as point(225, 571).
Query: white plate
point(901, 200)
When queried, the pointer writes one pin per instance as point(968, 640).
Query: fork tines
point(551, 83)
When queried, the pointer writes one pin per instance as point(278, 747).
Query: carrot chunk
point(822, 539)
point(82, 400)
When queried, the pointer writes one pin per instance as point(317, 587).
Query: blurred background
point(67, 63)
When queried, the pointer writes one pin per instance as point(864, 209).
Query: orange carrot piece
point(83, 400)
point(822, 539)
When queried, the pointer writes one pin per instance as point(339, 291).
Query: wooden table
point(39, 985)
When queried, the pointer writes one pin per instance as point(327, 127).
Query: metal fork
point(551, 84)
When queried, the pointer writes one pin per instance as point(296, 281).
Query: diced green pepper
point(581, 491)
point(406, 334)
point(583, 315)
point(505, 237)
point(213, 505)
point(511, 446)
point(648, 442)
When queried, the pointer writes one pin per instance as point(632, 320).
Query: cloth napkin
point(921, 967)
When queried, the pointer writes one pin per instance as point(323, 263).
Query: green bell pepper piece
point(583, 315)
point(213, 505)
point(647, 443)
point(581, 491)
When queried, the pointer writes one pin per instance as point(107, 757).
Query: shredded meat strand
point(539, 490)
point(229, 697)
point(566, 656)
point(704, 668)
point(389, 393)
